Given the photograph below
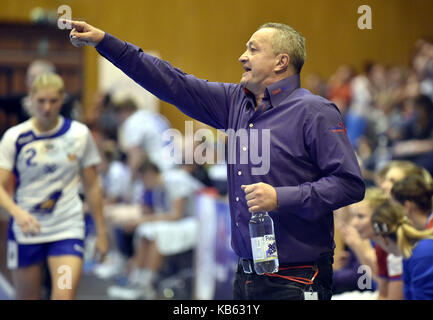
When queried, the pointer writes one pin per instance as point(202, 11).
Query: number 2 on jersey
point(32, 153)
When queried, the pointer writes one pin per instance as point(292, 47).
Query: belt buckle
point(246, 266)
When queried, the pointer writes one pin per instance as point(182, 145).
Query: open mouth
point(246, 70)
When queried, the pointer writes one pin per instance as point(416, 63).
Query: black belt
point(247, 265)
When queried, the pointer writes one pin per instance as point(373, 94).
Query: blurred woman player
point(399, 236)
point(415, 194)
point(47, 154)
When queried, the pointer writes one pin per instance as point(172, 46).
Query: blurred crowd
point(148, 200)
point(388, 110)
point(388, 114)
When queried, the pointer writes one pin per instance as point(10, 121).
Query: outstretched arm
point(208, 102)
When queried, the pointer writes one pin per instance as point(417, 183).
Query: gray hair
point(288, 40)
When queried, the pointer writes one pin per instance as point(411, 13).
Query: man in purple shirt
point(311, 170)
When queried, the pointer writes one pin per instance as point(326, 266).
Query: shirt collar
point(277, 91)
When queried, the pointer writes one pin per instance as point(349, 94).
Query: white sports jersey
point(144, 129)
point(47, 169)
point(180, 184)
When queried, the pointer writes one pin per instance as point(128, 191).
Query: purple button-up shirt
point(300, 137)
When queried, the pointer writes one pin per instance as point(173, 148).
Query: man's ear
point(283, 62)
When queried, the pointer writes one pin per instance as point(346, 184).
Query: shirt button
point(244, 148)
point(239, 173)
point(251, 125)
point(237, 198)
point(237, 224)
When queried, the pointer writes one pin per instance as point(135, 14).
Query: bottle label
point(264, 248)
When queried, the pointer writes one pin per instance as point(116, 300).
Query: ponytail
point(390, 220)
point(408, 236)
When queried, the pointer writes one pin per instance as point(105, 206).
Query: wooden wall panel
point(206, 37)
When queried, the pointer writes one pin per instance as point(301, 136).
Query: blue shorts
point(24, 255)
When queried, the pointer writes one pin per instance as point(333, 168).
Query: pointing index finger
point(78, 25)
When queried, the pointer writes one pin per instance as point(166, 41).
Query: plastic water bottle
point(263, 243)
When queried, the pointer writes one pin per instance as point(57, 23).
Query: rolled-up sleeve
point(340, 182)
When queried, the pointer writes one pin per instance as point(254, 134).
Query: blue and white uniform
point(145, 129)
point(47, 168)
point(418, 272)
point(172, 237)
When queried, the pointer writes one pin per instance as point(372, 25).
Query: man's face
point(258, 61)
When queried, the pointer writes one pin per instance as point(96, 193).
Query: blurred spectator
point(361, 88)
point(399, 236)
point(198, 168)
point(389, 264)
point(115, 179)
point(140, 135)
point(387, 110)
point(422, 64)
point(386, 268)
point(199, 172)
point(102, 116)
point(398, 170)
point(218, 176)
point(16, 108)
point(206, 167)
point(415, 194)
point(339, 88)
point(393, 172)
point(346, 276)
point(71, 107)
point(166, 227)
point(316, 84)
point(359, 106)
point(357, 234)
point(115, 174)
point(415, 139)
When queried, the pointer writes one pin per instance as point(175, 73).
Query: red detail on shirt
point(341, 128)
point(276, 91)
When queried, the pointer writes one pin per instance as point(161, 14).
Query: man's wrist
point(101, 36)
point(287, 197)
point(110, 47)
